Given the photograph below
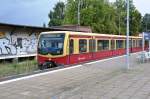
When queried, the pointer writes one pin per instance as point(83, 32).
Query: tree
point(71, 12)
point(146, 23)
point(120, 8)
point(135, 20)
point(57, 15)
point(135, 17)
point(98, 14)
point(101, 15)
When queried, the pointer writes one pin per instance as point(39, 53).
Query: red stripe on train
point(84, 57)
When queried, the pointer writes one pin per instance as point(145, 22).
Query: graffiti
point(6, 47)
point(18, 43)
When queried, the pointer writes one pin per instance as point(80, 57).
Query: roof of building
point(53, 28)
point(86, 29)
point(6, 25)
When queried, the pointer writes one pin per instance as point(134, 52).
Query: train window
point(102, 45)
point(51, 44)
point(91, 45)
point(82, 45)
point(130, 43)
point(119, 44)
point(71, 46)
point(134, 43)
point(139, 43)
point(112, 44)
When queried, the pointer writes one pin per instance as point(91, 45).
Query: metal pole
point(143, 47)
point(143, 42)
point(127, 41)
point(79, 3)
point(119, 23)
point(149, 46)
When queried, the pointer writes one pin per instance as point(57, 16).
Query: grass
point(15, 68)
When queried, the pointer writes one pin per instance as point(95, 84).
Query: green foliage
point(135, 20)
point(101, 15)
point(10, 69)
point(146, 23)
point(71, 12)
point(57, 15)
point(95, 13)
point(120, 20)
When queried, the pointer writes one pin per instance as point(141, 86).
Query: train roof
point(90, 34)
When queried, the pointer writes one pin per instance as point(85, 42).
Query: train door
point(92, 47)
point(83, 50)
point(71, 46)
point(113, 46)
point(71, 51)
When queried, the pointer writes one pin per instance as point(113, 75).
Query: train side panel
point(79, 48)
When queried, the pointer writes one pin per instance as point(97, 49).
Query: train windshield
point(51, 44)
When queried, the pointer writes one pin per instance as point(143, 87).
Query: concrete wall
point(17, 43)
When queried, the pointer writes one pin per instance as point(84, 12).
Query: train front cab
point(52, 49)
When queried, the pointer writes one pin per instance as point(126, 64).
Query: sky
point(35, 12)
point(26, 12)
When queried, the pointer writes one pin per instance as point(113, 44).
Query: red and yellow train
point(66, 47)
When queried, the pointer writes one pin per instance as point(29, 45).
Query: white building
point(18, 40)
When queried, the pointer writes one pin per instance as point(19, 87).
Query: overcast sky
point(35, 12)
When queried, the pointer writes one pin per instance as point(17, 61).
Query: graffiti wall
point(17, 43)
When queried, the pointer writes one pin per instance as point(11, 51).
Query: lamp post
point(118, 11)
point(127, 39)
point(79, 3)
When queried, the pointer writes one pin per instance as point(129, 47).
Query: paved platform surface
point(101, 80)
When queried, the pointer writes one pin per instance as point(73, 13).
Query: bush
point(10, 69)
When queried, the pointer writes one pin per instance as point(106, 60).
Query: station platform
point(103, 79)
point(4, 57)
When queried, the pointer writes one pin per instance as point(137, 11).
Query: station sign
point(147, 35)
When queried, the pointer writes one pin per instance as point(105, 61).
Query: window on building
point(71, 46)
point(102, 45)
point(19, 42)
point(82, 45)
